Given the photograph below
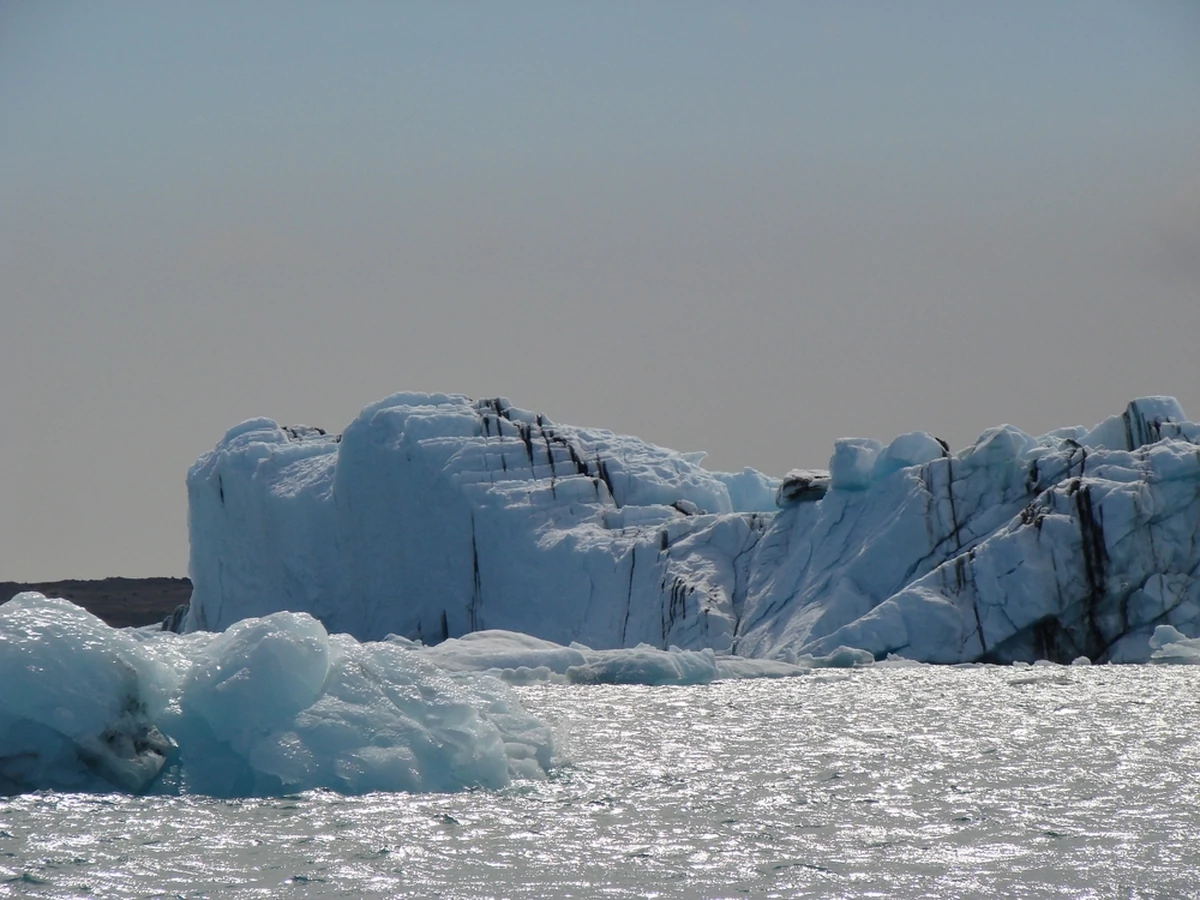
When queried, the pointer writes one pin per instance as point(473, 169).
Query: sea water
point(979, 781)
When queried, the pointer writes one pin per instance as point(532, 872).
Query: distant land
point(118, 601)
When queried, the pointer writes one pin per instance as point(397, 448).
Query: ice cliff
point(434, 516)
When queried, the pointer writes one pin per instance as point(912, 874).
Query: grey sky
point(749, 228)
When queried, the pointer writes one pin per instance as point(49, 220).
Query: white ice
point(523, 659)
point(434, 516)
point(1171, 646)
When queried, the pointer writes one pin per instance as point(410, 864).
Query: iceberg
point(434, 516)
point(1171, 647)
point(276, 704)
point(76, 709)
point(523, 659)
point(272, 705)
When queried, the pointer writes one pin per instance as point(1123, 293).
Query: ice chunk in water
point(272, 705)
point(77, 703)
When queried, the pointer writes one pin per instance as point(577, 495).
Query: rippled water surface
point(883, 782)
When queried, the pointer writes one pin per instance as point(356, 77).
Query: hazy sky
point(748, 228)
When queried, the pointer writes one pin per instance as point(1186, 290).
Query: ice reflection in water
point(983, 782)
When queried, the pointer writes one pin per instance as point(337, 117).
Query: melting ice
point(434, 516)
point(472, 543)
point(276, 704)
point(271, 705)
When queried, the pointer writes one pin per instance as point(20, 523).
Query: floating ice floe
point(1170, 646)
point(434, 516)
point(523, 659)
point(277, 704)
point(272, 705)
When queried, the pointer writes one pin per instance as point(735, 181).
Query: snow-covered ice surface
point(915, 782)
point(433, 516)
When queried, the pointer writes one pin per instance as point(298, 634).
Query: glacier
point(435, 516)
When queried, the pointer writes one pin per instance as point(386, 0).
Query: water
point(901, 782)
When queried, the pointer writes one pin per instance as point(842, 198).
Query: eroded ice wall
point(434, 516)
point(1077, 543)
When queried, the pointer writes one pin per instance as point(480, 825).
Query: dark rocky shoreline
point(118, 601)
